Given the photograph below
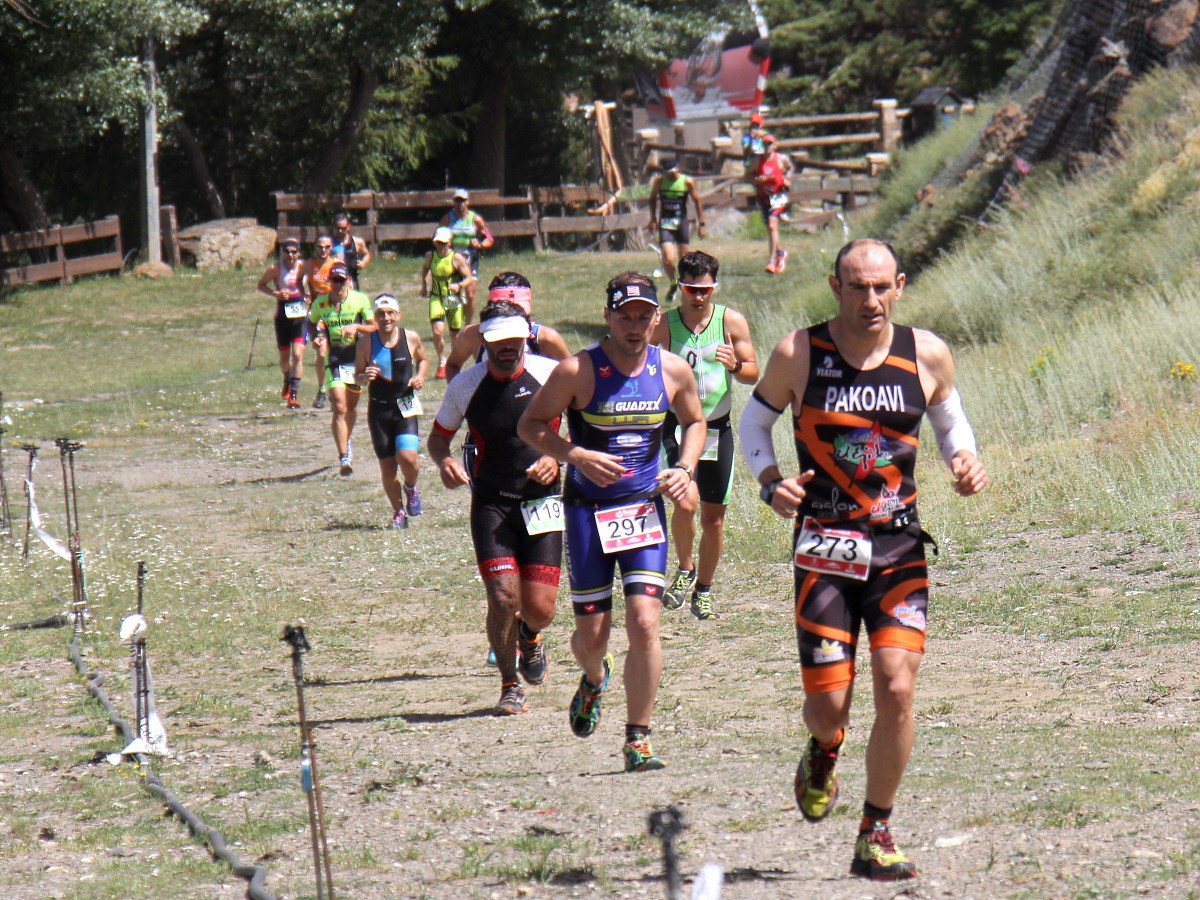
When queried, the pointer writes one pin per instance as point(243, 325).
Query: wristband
point(767, 492)
point(686, 468)
point(736, 368)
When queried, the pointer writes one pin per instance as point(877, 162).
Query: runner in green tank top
point(669, 193)
point(445, 278)
point(340, 317)
point(715, 342)
point(470, 236)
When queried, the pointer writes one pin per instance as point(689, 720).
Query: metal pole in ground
point(253, 338)
point(666, 824)
point(141, 686)
point(5, 515)
point(293, 635)
point(66, 455)
point(32, 450)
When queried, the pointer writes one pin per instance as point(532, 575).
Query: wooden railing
point(876, 134)
point(54, 242)
point(542, 212)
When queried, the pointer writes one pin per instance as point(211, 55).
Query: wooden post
point(539, 242)
point(170, 236)
point(281, 217)
point(680, 141)
point(373, 223)
point(877, 162)
point(148, 171)
point(60, 256)
point(647, 157)
point(889, 126)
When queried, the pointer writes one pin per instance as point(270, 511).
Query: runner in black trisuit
point(516, 511)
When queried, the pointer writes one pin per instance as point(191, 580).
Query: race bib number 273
point(833, 551)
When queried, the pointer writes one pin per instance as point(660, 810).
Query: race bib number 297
point(626, 527)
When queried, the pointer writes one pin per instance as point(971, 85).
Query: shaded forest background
point(264, 95)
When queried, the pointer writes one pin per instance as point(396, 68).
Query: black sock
point(636, 733)
point(873, 815)
point(703, 588)
point(524, 631)
point(294, 382)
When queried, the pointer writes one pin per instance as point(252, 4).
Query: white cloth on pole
point(35, 519)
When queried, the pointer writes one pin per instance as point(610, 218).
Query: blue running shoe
point(412, 501)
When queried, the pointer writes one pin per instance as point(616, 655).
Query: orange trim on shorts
point(828, 678)
point(898, 594)
point(898, 636)
point(824, 631)
point(908, 565)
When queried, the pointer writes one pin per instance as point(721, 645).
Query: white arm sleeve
point(950, 426)
point(754, 434)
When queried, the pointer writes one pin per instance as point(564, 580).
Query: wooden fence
point(55, 242)
point(876, 133)
point(817, 198)
point(541, 212)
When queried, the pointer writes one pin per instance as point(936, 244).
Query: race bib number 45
point(626, 527)
point(833, 551)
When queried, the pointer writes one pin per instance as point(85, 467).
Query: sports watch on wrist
point(767, 492)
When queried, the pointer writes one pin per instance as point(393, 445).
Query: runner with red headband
point(543, 340)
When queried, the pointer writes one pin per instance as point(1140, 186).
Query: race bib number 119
point(543, 515)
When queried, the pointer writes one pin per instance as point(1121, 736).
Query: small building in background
point(935, 108)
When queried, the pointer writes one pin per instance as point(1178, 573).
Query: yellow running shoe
point(876, 857)
point(817, 782)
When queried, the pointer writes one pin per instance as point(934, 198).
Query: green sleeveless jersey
point(462, 231)
point(441, 268)
point(672, 199)
point(700, 351)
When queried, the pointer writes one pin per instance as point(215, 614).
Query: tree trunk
point(488, 145)
point(204, 179)
point(18, 194)
point(363, 84)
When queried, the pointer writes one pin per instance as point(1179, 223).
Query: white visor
point(503, 328)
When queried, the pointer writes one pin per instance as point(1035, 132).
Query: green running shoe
point(876, 857)
point(585, 705)
point(702, 605)
point(639, 756)
point(817, 782)
point(674, 596)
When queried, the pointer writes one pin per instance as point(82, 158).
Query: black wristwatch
point(767, 492)
point(691, 473)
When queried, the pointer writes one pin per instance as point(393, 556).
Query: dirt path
point(1054, 753)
